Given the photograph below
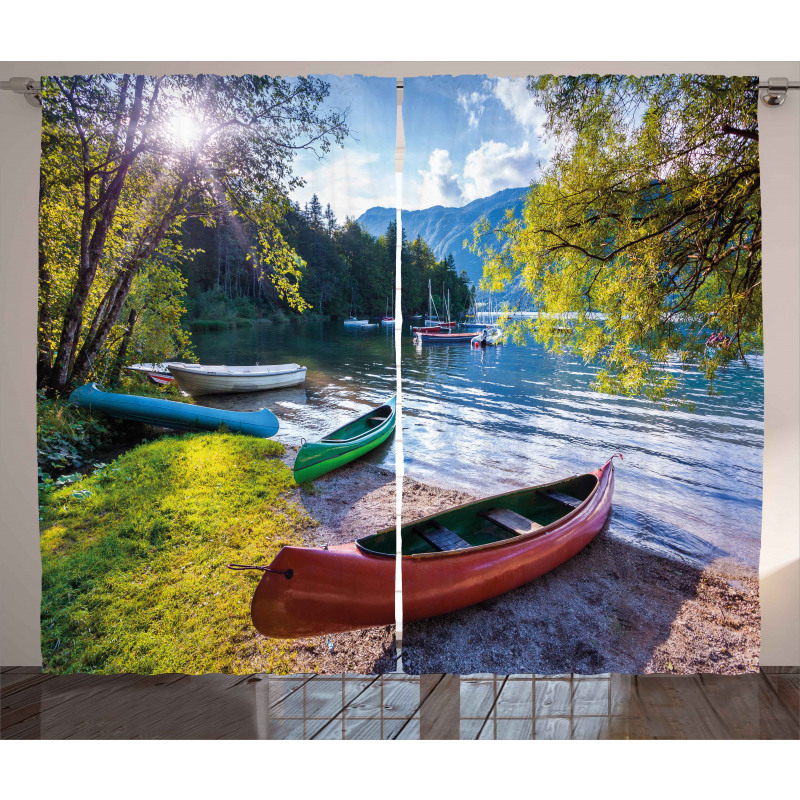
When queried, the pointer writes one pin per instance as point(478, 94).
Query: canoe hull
point(344, 588)
point(170, 414)
point(318, 458)
point(199, 383)
point(336, 460)
point(447, 582)
point(330, 591)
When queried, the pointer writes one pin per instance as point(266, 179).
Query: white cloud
point(514, 96)
point(440, 186)
point(495, 166)
point(352, 181)
point(474, 104)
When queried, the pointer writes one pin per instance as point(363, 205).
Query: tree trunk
point(44, 355)
point(98, 217)
point(91, 347)
point(119, 361)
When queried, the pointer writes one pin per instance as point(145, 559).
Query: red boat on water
point(429, 329)
point(450, 560)
point(443, 325)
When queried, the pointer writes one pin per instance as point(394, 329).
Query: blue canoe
point(169, 414)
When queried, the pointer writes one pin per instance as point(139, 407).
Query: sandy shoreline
point(612, 608)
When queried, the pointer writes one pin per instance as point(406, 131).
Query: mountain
point(445, 229)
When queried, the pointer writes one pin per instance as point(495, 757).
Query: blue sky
point(360, 175)
point(468, 136)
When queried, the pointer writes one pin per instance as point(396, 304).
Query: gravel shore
point(612, 608)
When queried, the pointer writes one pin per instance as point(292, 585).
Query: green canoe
point(345, 444)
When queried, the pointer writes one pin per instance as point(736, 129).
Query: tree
point(129, 158)
point(645, 228)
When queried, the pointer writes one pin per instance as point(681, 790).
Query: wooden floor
point(764, 705)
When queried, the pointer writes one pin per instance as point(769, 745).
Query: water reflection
point(488, 420)
point(349, 371)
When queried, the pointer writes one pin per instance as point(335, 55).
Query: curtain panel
point(579, 328)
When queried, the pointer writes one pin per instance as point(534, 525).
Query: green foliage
point(133, 558)
point(644, 236)
point(347, 271)
point(126, 160)
point(67, 436)
point(419, 266)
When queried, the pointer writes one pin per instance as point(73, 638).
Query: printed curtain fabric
point(609, 227)
point(211, 345)
point(580, 336)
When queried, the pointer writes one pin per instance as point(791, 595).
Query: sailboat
point(388, 320)
point(433, 320)
point(353, 319)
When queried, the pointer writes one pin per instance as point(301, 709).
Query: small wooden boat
point(157, 373)
point(199, 379)
point(445, 338)
point(345, 444)
point(170, 414)
point(160, 380)
point(449, 560)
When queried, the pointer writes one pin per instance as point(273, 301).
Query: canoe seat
point(375, 421)
point(560, 497)
point(440, 537)
point(511, 521)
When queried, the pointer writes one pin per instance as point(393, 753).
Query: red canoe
point(451, 560)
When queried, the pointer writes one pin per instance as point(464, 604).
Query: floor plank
point(763, 705)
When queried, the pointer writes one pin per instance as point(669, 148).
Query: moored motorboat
point(346, 443)
point(171, 414)
point(488, 336)
point(356, 323)
point(450, 560)
point(200, 379)
point(427, 329)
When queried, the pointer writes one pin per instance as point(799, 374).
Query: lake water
point(349, 371)
point(490, 420)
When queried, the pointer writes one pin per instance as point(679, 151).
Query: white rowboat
point(198, 379)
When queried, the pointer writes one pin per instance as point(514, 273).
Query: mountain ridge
point(445, 228)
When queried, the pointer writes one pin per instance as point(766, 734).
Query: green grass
point(133, 558)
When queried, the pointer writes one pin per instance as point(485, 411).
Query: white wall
point(19, 168)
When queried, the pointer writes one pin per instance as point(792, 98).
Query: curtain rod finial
point(28, 87)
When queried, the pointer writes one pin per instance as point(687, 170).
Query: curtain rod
point(773, 94)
